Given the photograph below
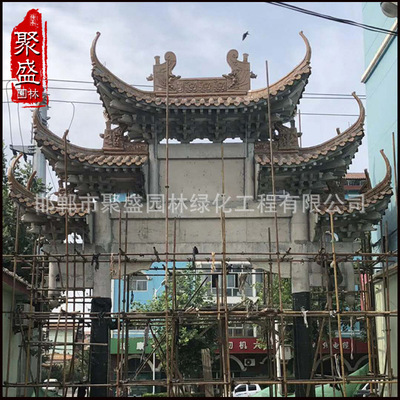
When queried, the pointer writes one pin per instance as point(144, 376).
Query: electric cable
point(335, 19)
point(73, 115)
point(9, 113)
point(20, 130)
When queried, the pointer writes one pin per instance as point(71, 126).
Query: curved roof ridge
point(252, 95)
point(357, 127)
point(370, 197)
point(384, 184)
point(306, 153)
point(302, 68)
point(96, 63)
point(24, 195)
point(57, 140)
point(17, 188)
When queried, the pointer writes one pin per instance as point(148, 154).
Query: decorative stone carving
point(160, 72)
point(263, 147)
point(114, 141)
point(238, 80)
point(287, 138)
point(336, 190)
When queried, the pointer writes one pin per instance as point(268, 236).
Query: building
point(380, 78)
point(16, 361)
point(225, 201)
point(353, 183)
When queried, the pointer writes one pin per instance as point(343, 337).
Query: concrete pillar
point(303, 354)
point(100, 333)
point(100, 330)
point(300, 224)
point(154, 186)
point(302, 339)
point(102, 281)
point(348, 272)
point(249, 184)
point(39, 161)
point(53, 292)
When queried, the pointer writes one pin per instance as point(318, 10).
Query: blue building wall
point(154, 287)
point(381, 108)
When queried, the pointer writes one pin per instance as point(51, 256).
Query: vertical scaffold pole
point(271, 152)
point(167, 347)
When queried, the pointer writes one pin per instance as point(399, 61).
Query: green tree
point(9, 215)
point(191, 338)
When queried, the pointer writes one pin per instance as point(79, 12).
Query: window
point(241, 388)
point(252, 387)
point(232, 280)
point(139, 285)
point(240, 330)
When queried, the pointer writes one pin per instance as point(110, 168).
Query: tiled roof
point(300, 73)
point(307, 154)
point(92, 156)
point(355, 175)
point(28, 199)
point(373, 196)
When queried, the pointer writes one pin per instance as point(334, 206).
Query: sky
point(200, 34)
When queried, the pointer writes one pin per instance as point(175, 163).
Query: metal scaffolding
point(270, 314)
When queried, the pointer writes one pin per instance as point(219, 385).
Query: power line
point(73, 115)
point(335, 19)
point(320, 96)
point(305, 113)
point(9, 114)
point(19, 124)
point(94, 90)
point(75, 81)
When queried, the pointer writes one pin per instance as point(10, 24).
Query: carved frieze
point(287, 138)
point(115, 141)
point(238, 80)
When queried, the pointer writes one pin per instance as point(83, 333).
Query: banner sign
point(29, 60)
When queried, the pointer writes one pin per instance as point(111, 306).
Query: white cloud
point(200, 34)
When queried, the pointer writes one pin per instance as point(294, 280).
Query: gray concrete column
point(154, 186)
point(348, 272)
point(300, 224)
point(53, 292)
point(102, 281)
point(300, 277)
point(249, 184)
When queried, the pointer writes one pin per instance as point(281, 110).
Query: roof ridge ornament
point(238, 80)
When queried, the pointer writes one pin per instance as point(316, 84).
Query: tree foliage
point(9, 215)
point(191, 338)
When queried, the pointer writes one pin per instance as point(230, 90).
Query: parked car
point(52, 387)
point(245, 390)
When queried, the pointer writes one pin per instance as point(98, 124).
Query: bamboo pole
point(337, 304)
point(28, 352)
point(282, 331)
point(386, 289)
point(167, 349)
point(66, 252)
point(12, 311)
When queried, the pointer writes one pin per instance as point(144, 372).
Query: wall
point(381, 107)
point(381, 119)
point(381, 325)
point(17, 355)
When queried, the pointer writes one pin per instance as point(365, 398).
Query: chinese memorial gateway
point(263, 199)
